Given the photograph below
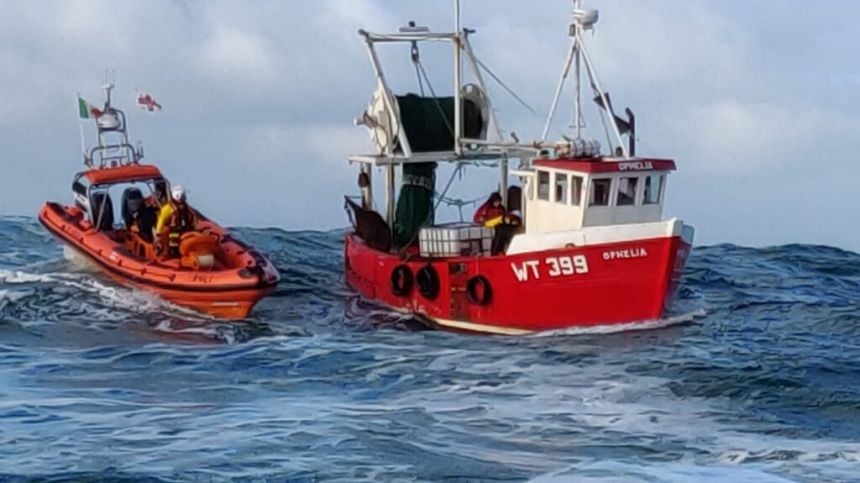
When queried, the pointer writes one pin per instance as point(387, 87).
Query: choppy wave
point(756, 383)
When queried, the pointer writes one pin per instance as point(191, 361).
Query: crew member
point(174, 219)
point(510, 223)
point(491, 212)
point(514, 215)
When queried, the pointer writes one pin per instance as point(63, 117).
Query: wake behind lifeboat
point(209, 270)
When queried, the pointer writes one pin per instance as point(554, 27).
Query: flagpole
point(81, 126)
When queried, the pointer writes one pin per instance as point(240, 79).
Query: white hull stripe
point(472, 327)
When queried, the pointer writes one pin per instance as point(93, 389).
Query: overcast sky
point(759, 102)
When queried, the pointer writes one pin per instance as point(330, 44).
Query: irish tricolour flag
point(87, 110)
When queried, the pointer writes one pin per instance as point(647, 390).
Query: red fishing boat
point(213, 272)
point(576, 239)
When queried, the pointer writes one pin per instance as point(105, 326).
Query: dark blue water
point(100, 382)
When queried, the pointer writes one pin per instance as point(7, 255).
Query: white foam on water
point(626, 327)
point(78, 260)
point(571, 411)
point(401, 315)
point(119, 297)
point(204, 330)
point(17, 276)
point(614, 471)
point(11, 296)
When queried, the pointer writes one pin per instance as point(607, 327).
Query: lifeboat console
point(213, 272)
point(577, 239)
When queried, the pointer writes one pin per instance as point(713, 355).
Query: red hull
point(613, 283)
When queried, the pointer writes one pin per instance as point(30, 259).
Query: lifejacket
point(180, 221)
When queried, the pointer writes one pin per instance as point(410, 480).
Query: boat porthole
point(428, 282)
point(401, 281)
point(478, 290)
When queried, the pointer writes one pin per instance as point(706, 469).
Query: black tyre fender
point(401, 280)
point(479, 291)
point(428, 282)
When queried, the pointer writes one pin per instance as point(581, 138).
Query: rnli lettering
point(635, 166)
point(551, 266)
point(639, 252)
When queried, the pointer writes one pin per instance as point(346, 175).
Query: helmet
point(177, 193)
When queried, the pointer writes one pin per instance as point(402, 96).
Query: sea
point(755, 377)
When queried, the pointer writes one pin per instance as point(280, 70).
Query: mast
point(110, 123)
point(577, 106)
point(114, 148)
point(558, 90)
point(577, 57)
point(458, 67)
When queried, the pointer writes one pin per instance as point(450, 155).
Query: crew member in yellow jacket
point(174, 219)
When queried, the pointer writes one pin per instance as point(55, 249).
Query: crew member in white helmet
point(174, 219)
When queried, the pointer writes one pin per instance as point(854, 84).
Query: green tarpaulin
point(427, 129)
point(415, 203)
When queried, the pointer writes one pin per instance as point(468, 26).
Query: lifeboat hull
point(228, 292)
point(579, 287)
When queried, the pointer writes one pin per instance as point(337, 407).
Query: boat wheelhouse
point(214, 272)
point(568, 197)
point(578, 238)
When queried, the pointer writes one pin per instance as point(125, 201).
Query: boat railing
point(113, 154)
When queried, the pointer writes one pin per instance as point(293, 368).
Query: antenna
point(110, 80)
point(457, 16)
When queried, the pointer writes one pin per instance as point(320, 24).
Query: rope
point(416, 60)
point(348, 210)
point(459, 203)
point(505, 87)
point(420, 83)
point(436, 99)
point(419, 73)
point(447, 186)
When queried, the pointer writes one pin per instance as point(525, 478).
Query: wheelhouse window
point(627, 191)
point(561, 191)
point(543, 185)
point(600, 192)
point(575, 190)
point(653, 188)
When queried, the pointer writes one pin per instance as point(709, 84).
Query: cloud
point(237, 55)
point(322, 144)
point(731, 138)
point(259, 98)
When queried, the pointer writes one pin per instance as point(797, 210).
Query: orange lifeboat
point(214, 273)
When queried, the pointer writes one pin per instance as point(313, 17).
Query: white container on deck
point(454, 240)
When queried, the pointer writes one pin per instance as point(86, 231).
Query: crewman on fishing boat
point(491, 211)
point(174, 219)
point(514, 215)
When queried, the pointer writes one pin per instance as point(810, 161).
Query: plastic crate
point(455, 240)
